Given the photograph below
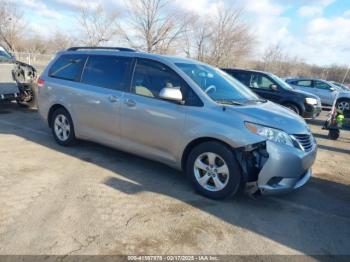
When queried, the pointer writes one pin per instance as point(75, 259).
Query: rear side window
point(304, 83)
point(243, 77)
point(67, 67)
point(106, 71)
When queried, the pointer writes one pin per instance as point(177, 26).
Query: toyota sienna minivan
point(180, 112)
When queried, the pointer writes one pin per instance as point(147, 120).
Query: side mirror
point(171, 94)
point(273, 87)
point(332, 89)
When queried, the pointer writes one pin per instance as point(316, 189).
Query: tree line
point(224, 38)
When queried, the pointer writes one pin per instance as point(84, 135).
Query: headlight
point(271, 134)
point(311, 101)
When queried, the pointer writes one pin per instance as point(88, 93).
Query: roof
point(247, 70)
point(127, 52)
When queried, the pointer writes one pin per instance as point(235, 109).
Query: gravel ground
point(91, 199)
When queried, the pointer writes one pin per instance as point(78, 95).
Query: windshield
point(4, 56)
point(218, 85)
point(340, 86)
point(281, 82)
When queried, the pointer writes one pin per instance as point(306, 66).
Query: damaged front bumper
point(279, 168)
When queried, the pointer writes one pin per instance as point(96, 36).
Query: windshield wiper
point(261, 100)
point(228, 102)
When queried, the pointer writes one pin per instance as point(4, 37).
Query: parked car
point(273, 88)
point(8, 86)
point(325, 90)
point(16, 79)
point(181, 112)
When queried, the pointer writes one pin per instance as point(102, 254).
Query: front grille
point(305, 141)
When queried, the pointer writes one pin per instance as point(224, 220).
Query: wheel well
point(51, 111)
point(195, 143)
point(294, 104)
point(343, 99)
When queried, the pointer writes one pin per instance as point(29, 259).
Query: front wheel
point(343, 105)
point(62, 127)
point(213, 170)
point(293, 108)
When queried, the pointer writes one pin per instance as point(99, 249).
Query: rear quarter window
point(68, 67)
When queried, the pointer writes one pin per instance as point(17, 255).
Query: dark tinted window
point(151, 77)
point(106, 71)
point(67, 67)
point(243, 77)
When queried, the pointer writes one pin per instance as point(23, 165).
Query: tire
point(293, 108)
point(62, 127)
point(224, 160)
point(334, 134)
point(28, 99)
point(343, 105)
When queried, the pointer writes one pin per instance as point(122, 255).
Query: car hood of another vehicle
point(271, 115)
point(304, 93)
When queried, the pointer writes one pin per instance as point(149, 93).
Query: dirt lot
point(95, 200)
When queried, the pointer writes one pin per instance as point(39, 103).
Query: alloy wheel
point(211, 171)
point(344, 105)
point(62, 127)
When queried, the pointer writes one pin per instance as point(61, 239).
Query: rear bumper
point(286, 169)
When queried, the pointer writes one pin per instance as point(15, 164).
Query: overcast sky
point(317, 31)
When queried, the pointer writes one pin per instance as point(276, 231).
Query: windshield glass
point(281, 82)
point(218, 85)
point(4, 56)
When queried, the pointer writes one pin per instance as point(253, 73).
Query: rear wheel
point(293, 108)
point(62, 127)
point(213, 170)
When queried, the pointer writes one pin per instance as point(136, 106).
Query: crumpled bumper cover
point(286, 169)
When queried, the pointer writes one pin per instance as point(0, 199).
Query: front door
point(152, 126)
point(323, 90)
point(262, 85)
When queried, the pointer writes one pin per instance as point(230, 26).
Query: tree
point(96, 24)
point(153, 25)
point(222, 39)
point(11, 24)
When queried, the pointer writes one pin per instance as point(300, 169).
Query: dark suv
point(273, 88)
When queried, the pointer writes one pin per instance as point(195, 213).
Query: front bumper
point(286, 169)
point(312, 111)
point(8, 97)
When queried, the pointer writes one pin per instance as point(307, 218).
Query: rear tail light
point(41, 82)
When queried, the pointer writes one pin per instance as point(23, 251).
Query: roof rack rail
point(75, 48)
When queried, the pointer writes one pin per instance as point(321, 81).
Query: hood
point(305, 94)
point(272, 115)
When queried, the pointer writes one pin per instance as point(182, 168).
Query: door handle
point(130, 102)
point(113, 99)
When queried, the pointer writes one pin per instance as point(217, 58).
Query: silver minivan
point(181, 112)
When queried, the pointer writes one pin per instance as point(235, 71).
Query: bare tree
point(97, 24)
point(60, 41)
point(222, 39)
point(11, 24)
point(153, 25)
